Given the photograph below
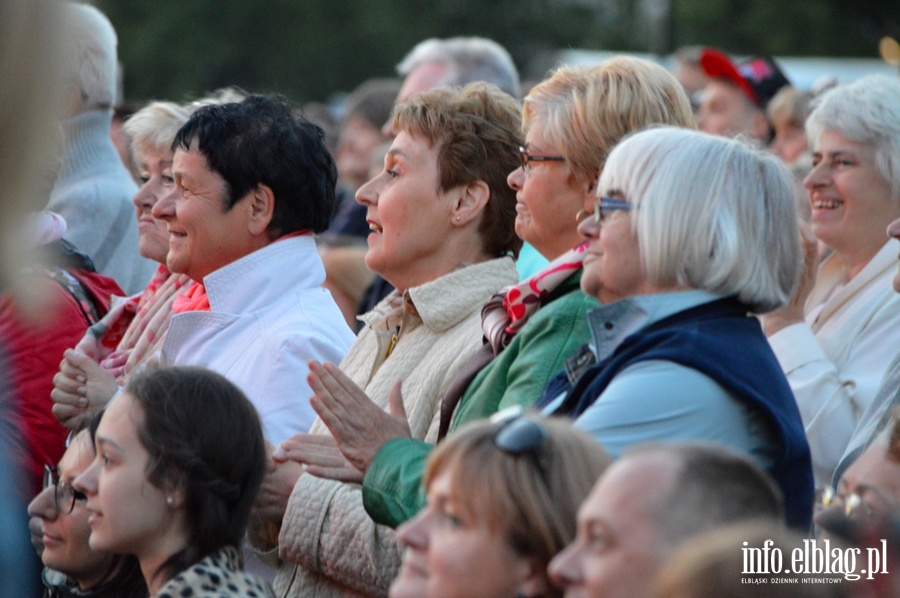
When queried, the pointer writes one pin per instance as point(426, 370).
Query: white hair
point(710, 213)
point(90, 54)
point(866, 111)
point(469, 59)
point(154, 126)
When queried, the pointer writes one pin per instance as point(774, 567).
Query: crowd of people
point(605, 336)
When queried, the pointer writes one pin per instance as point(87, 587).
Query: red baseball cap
point(759, 78)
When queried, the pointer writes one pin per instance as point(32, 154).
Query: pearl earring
point(170, 501)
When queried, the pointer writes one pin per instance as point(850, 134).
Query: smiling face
point(548, 199)
point(65, 535)
point(617, 551)
point(612, 262)
point(449, 557)
point(203, 235)
point(156, 182)
point(128, 513)
point(409, 215)
point(851, 201)
point(875, 480)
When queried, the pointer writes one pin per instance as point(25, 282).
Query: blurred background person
point(180, 457)
point(677, 353)
point(342, 245)
point(787, 112)
point(30, 102)
point(839, 333)
point(736, 97)
point(648, 503)
point(93, 190)
point(686, 68)
point(442, 233)
point(502, 499)
point(72, 568)
point(75, 297)
point(132, 333)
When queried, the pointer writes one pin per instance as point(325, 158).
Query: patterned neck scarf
point(507, 311)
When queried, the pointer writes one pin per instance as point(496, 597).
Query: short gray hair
point(90, 54)
point(866, 111)
point(469, 59)
point(710, 213)
point(153, 127)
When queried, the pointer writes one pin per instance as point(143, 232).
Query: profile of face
point(612, 262)
point(357, 141)
point(789, 141)
point(548, 198)
point(128, 514)
point(203, 235)
point(618, 550)
point(869, 489)
point(726, 111)
point(850, 199)
point(449, 556)
point(409, 216)
point(65, 535)
point(155, 170)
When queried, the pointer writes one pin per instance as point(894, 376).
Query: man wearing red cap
point(735, 99)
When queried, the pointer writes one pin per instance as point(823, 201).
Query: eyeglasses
point(604, 205)
point(527, 158)
point(519, 435)
point(64, 495)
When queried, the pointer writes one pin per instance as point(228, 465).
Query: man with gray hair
point(94, 189)
point(650, 501)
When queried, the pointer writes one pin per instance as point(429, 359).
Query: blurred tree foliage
point(310, 49)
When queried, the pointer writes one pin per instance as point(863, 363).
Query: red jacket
point(35, 349)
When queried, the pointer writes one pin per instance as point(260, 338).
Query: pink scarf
point(507, 311)
point(132, 333)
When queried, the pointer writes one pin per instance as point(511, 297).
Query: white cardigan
point(835, 361)
point(269, 316)
point(334, 545)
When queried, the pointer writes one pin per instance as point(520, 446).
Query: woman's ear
point(590, 194)
point(536, 582)
point(470, 202)
point(261, 209)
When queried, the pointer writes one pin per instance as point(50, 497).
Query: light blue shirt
point(660, 400)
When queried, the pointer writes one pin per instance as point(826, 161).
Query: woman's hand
point(794, 311)
point(81, 388)
point(359, 426)
point(321, 456)
point(276, 488)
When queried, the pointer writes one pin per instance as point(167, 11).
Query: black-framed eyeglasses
point(529, 158)
point(64, 494)
point(604, 205)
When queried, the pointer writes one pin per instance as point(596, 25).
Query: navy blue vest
point(721, 341)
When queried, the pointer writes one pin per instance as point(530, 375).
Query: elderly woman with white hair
point(132, 333)
point(692, 235)
point(837, 337)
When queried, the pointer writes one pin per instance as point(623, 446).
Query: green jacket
point(392, 486)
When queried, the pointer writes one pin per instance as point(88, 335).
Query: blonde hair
point(790, 106)
point(154, 126)
point(585, 111)
point(532, 501)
